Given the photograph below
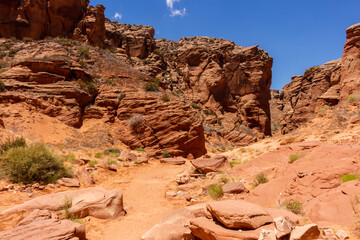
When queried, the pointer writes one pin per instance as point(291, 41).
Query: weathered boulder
point(68, 182)
point(306, 232)
point(96, 202)
point(85, 177)
point(37, 215)
point(173, 161)
point(50, 229)
point(239, 214)
point(283, 226)
point(234, 188)
point(168, 232)
point(209, 163)
point(204, 228)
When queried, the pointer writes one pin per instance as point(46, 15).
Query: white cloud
point(118, 16)
point(173, 11)
point(177, 12)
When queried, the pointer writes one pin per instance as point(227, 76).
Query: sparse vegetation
point(352, 99)
point(165, 154)
point(87, 86)
point(84, 53)
point(348, 177)
point(12, 52)
point(146, 61)
point(324, 108)
point(12, 143)
point(195, 105)
point(234, 163)
point(216, 191)
point(293, 158)
point(106, 152)
point(151, 87)
point(209, 112)
point(6, 46)
point(110, 162)
point(165, 98)
point(34, 163)
point(136, 120)
point(98, 155)
point(121, 96)
point(83, 64)
point(140, 149)
point(260, 178)
point(112, 50)
point(2, 86)
point(92, 163)
point(294, 206)
point(157, 51)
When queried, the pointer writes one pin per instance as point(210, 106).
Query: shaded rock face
point(350, 69)
point(38, 19)
point(307, 93)
point(56, 88)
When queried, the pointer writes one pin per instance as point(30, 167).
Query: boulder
point(183, 178)
point(168, 232)
point(210, 164)
point(277, 212)
point(85, 177)
point(307, 232)
point(96, 202)
point(204, 228)
point(127, 156)
point(68, 182)
point(173, 161)
point(283, 226)
point(37, 215)
point(50, 229)
point(180, 217)
point(239, 214)
point(234, 188)
point(342, 235)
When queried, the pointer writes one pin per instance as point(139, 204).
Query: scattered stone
point(208, 164)
point(41, 187)
point(80, 162)
point(239, 214)
point(28, 190)
point(170, 194)
point(127, 156)
point(342, 235)
point(329, 233)
point(85, 177)
point(234, 188)
point(167, 231)
point(306, 232)
point(68, 182)
point(183, 178)
point(36, 186)
point(277, 212)
point(283, 226)
point(267, 235)
point(173, 161)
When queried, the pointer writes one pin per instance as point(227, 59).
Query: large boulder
point(306, 232)
point(50, 229)
point(239, 214)
point(209, 163)
point(96, 202)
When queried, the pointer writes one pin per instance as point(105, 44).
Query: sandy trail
point(144, 188)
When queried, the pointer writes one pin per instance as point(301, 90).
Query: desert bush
point(348, 177)
point(165, 154)
point(293, 158)
point(324, 108)
point(83, 64)
point(195, 105)
point(157, 51)
point(165, 98)
point(140, 149)
point(260, 178)
point(106, 152)
point(92, 163)
point(136, 120)
point(12, 52)
point(112, 50)
point(121, 96)
point(2, 86)
point(352, 99)
point(209, 112)
point(35, 163)
point(234, 163)
point(216, 191)
point(151, 87)
point(6, 46)
point(84, 52)
point(146, 61)
point(87, 86)
point(98, 155)
point(12, 143)
point(294, 206)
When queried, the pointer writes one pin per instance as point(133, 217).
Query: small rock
point(80, 162)
point(183, 178)
point(181, 193)
point(170, 194)
point(50, 185)
point(69, 182)
point(267, 235)
point(28, 190)
point(310, 231)
point(41, 187)
point(329, 233)
point(211, 175)
point(301, 174)
point(342, 235)
point(234, 188)
point(173, 161)
point(36, 185)
point(283, 226)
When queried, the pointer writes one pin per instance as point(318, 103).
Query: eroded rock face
point(350, 69)
point(38, 19)
point(306, 94)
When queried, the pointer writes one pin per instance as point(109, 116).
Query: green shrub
point(140, 149)
point(348, 177)
point(136, 120)
point(324, 108)
point(234, 163)
point(87, 86)
point(12, 143)
point(112, 50)
point(6, 46)
point(111, 162)
point(294, 206)
point(106, 152)
point(293, 158)
point(209, 112)
point(195, 105)
point(216, 191)
point(157, 51)
point(165, 154)
point(92, 163)
point(12, 52)
point(352, 99)
point(2, 86)
point(72, 157)
point(83, 64)
point(151, 87)
point(84, 52)
point(146, 61)
point(165, 98)
point(98, 155)
point(260, 178)
point(35, 163)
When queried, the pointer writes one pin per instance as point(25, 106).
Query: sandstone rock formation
point(209, 163)
point(96, 202)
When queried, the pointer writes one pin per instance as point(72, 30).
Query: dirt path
point(144, 188)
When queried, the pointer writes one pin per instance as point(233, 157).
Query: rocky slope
point(322, 86)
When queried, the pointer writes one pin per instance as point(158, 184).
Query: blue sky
point(297, 33)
